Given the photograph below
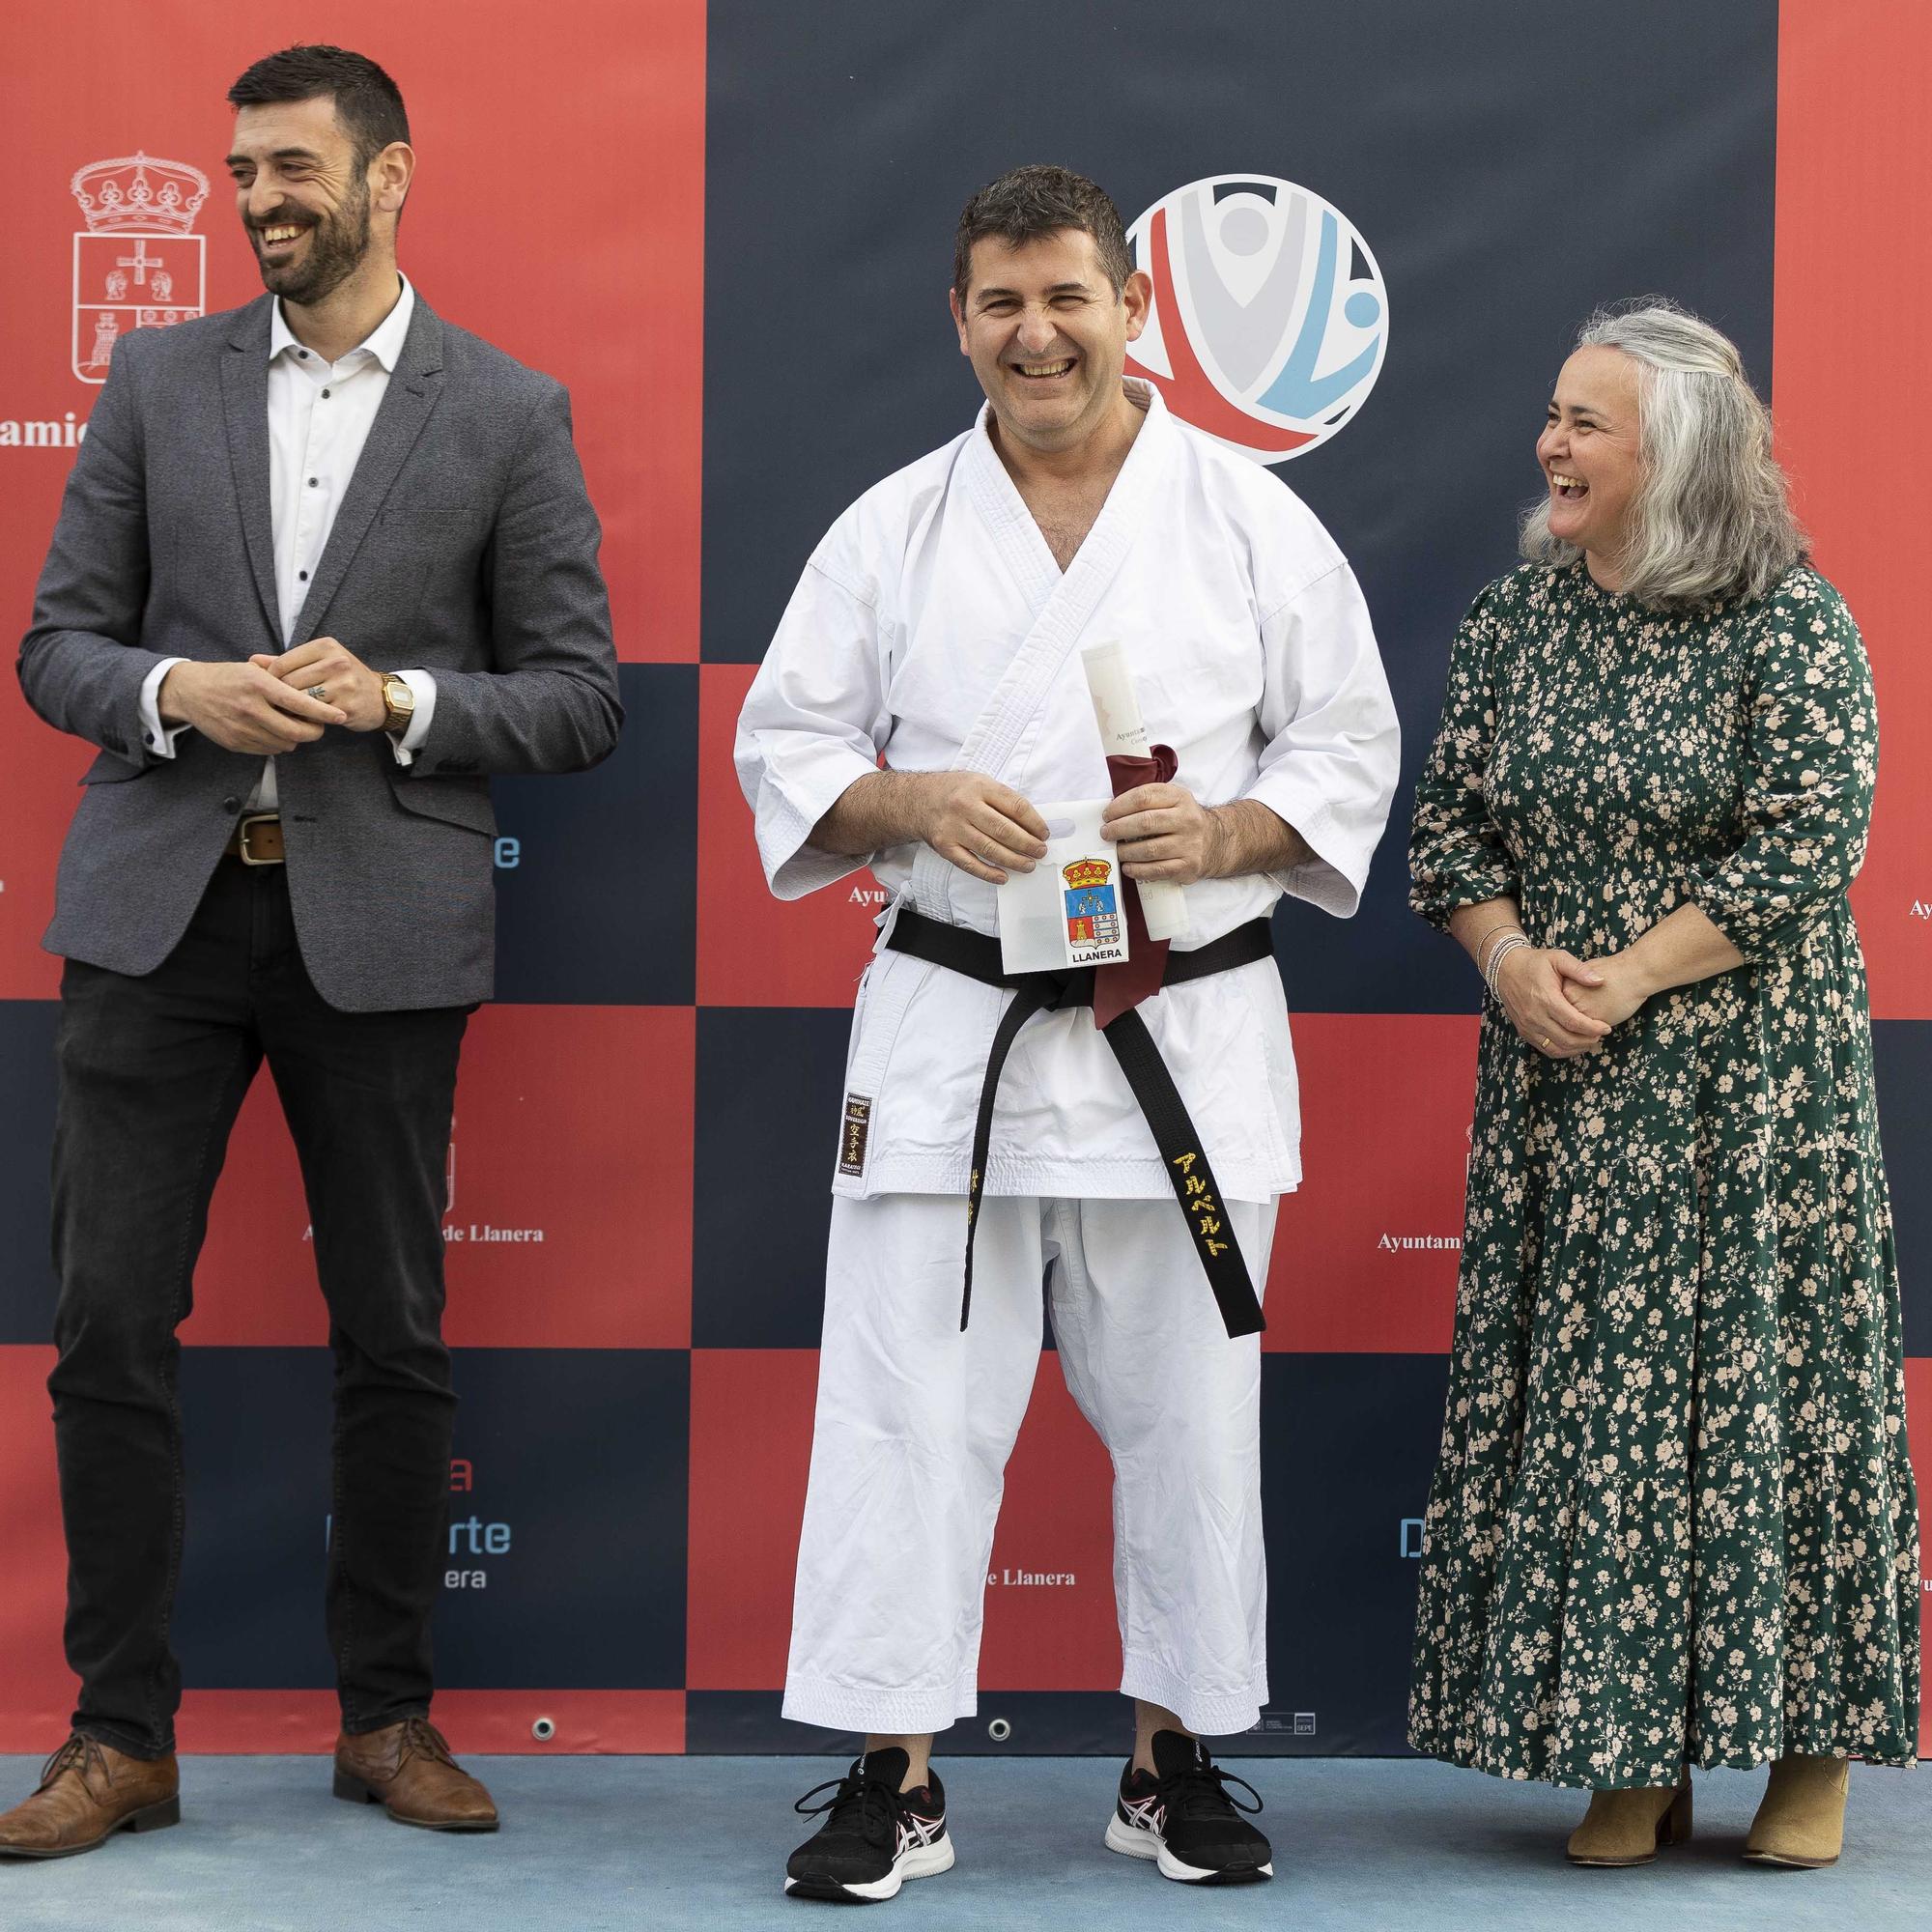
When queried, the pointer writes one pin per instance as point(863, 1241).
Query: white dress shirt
point(319, 419)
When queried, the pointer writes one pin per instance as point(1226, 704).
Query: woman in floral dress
point(1673, 1520)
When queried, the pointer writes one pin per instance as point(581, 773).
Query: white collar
point(385, 342)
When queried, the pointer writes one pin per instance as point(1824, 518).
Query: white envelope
point(1037, 932)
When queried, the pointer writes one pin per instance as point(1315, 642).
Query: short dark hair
point(368, 104)
point(1032, 203)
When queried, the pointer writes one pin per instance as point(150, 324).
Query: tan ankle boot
point(1800, 1820)
point(1625, 1828)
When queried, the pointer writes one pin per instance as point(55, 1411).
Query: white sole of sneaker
point(1134, 1843)
point(920, 1862)
point(1171, 1868)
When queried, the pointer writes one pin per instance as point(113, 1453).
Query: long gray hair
point(1711, 516)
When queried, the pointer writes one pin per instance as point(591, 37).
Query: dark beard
point(336, 247)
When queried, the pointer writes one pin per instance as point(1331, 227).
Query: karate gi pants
point(915, 1422)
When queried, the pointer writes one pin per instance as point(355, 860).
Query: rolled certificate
point(1116, 710)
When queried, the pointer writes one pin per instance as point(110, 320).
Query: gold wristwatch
point(399, 703)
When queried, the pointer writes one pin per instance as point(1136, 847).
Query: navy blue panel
point(567, 1549)
point(764, 1142)
point(830, 359)
point(597, 872)
point(1039, 1723)
point(1349, 1446)
point(1902, 1053)
point(27, 1073)
point(248, 1610)
point(584, 1453)
point(769, 1099)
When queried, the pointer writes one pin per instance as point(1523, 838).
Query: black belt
point(1195, 1187)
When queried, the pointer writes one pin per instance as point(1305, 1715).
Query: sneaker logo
point(917, 1831)
point(1145, 1814)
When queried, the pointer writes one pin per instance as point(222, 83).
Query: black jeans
point(152, 1073)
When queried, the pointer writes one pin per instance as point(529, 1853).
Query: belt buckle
point(241, 850)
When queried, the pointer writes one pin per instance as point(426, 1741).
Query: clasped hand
point(263, 707)
point(1164, 831)
point(1564, 1006)
point(988, 830)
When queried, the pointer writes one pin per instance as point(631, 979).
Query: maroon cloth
point(1118, 989)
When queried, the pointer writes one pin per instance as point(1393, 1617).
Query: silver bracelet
point(1504, 947)
point(1504, 925)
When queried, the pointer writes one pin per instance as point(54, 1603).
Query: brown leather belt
point(257, 840)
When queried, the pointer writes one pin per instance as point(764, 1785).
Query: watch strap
point(397, 716)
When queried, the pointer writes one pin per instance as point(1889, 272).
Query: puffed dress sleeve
point(1812, 763)
point(1457, 854)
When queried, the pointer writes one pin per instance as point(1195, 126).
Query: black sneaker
point(874, 1835)
point(1184, 1819)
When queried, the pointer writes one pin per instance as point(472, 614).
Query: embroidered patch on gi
point(852, 1138)
point(1095, 932)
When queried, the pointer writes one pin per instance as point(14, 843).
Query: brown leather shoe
point(87, 1791)
point(407, 1769)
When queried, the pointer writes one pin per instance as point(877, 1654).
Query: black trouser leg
point(153, 1071)
point(369, 1099)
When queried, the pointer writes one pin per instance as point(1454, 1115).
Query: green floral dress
point(1673, 1515)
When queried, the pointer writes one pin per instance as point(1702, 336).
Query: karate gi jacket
point(933, 628)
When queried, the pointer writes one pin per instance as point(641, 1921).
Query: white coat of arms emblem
point(137, 264)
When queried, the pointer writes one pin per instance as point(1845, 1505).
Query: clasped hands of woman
point(1564, 1006)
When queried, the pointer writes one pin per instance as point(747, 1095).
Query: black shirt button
point(324, 395)
point(313, 481)
point(304, 575)
point(303, 354)
point(231, 804)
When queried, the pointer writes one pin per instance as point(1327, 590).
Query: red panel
point(611, 307)
point(1365, 1253)
point(750, 1448)
point(572, 1124)
point(751, 950)
point(1919, 1411)
point(750, 1444)
point(1853, 259)
point(43, 771)
point(1057, 1522)
point(476, 1722)
point(37, 1689)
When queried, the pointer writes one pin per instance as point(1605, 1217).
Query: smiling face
point(305, 205)
point(1589, 453)
point(1047, 336)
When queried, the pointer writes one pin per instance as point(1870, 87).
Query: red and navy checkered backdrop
point(728, 230)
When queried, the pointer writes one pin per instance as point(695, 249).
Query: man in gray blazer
point(324, 565)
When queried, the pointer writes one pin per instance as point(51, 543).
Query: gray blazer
point(465, 545)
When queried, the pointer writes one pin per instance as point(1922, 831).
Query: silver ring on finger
point(318, 692)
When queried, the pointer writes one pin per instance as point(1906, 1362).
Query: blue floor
point(674, 1842)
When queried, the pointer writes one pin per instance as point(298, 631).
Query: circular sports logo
point(1270, 317)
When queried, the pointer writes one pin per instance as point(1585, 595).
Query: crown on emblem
point(1086, 872)
point(139, 195)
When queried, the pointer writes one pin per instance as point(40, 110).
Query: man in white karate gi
point(924, 690)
